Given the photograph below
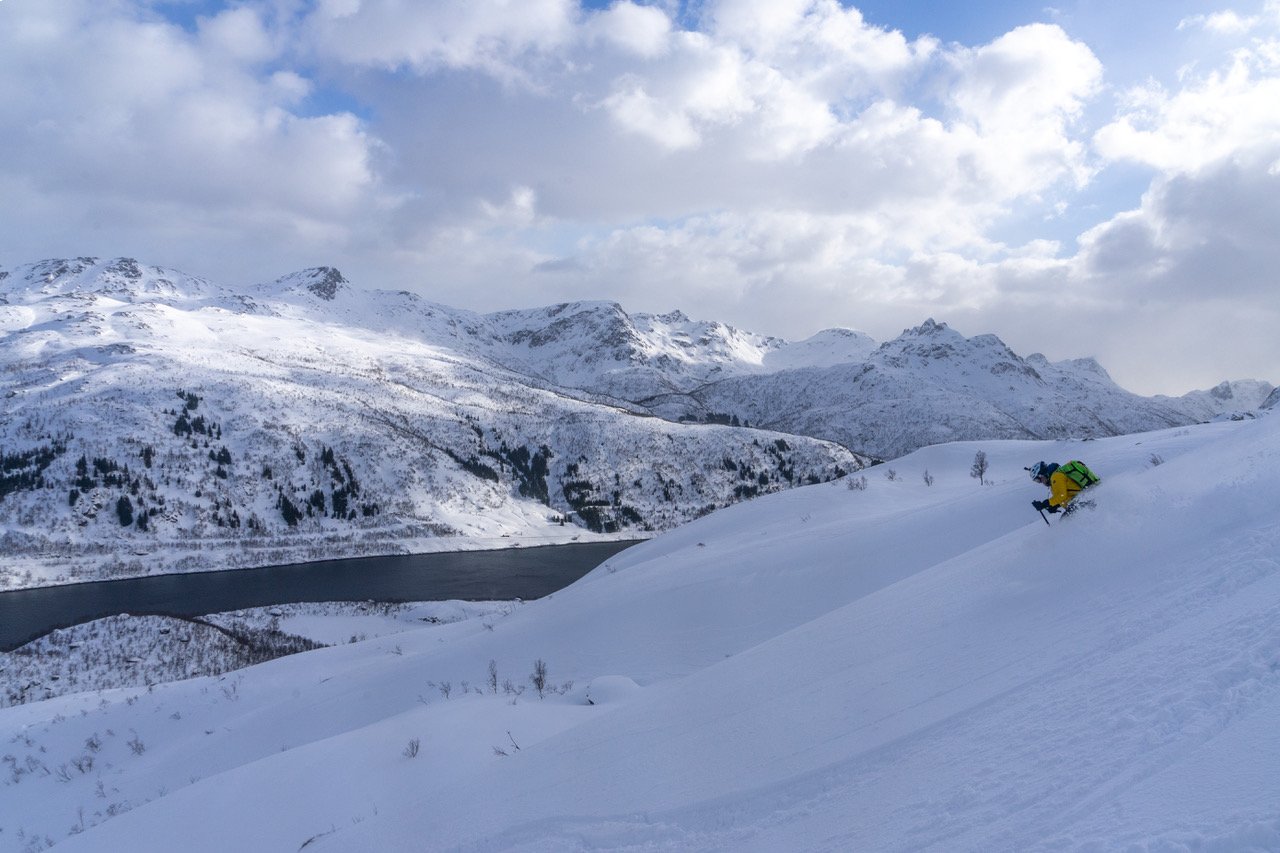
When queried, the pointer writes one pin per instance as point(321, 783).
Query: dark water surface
point(526, 573)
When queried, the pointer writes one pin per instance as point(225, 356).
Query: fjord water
point(497, 575)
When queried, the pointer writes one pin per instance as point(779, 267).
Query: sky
point(1084, 179)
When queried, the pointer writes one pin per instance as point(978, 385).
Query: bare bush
point(539, 677)
point(979, 468)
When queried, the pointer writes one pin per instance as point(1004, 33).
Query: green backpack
point(1079, 473)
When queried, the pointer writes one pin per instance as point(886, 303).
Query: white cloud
point(518, 210)
point(497, 36)
point(1211, 118)
point(240, 33)
point(1022, 93)
point(1226, 22)
point(289, 87)
point(154, 136)
point(644, 31)
point(638, 111)
point(1197, 237)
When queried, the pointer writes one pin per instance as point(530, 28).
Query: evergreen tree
point(124, 510)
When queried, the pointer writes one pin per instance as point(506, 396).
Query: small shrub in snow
point(499, 751)
point(928, 478)
point(411, 751)
point(539, 677)
point(980, 466)
point(857, 484)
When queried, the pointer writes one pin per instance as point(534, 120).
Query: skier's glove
point(1043, 505)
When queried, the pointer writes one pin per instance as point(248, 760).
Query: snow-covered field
point(140, 651)
point(901, 667)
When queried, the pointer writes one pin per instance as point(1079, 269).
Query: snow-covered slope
point(153, 421)
point(901, 666)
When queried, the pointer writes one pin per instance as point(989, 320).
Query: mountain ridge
point(154, 422)
point(307, 416)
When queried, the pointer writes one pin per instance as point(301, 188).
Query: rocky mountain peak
point(119, 278)
point(928, 327)
point(323, 282)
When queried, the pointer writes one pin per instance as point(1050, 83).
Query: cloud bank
point(780, 164)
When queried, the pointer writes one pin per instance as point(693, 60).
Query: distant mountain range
point(154, 420)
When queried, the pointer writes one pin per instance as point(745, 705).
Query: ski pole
point(1045, 517)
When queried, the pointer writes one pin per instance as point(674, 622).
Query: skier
point(1064, 482)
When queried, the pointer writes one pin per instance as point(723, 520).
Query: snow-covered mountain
point(1227, 398)
point(598, 346)
point(932, 385)
point(155, 421)
point(918, 664)
point(929, 385)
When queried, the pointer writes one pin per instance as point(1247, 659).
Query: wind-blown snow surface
point(900, 667)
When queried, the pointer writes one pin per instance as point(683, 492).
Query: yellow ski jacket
point(1062, 489)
